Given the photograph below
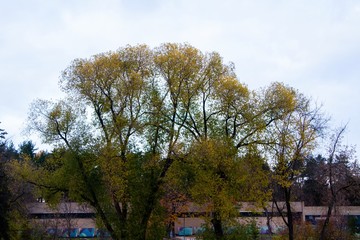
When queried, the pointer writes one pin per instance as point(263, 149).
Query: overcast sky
point(313, 46)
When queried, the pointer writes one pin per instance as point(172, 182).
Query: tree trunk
point(152, 198)
point(290, 223)
point(217, 224)
point(123, 224)
point(268, 219)
point(327, 220)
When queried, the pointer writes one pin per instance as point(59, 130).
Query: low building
point(70, 219)
point(266, 217)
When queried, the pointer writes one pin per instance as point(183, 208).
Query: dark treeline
point(15, 193)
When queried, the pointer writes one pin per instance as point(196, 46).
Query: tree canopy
point(138, 120)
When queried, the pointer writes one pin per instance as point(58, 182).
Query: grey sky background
point(313, 46)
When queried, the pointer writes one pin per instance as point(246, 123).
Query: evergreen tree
point(4, 191)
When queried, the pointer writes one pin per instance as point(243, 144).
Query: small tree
point(339, 175)
point(294, 137)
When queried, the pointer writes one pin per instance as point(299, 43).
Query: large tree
point(133, 115)
point(129, 116)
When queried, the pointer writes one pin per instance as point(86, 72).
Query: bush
point(248, 231)
point(336, 230)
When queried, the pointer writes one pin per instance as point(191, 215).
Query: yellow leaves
point(24, 171)
point(180, 66)
point(213, 153)
point(178, 60)
point(280, 99)
point(114, 171)
point(111, 75)
point(222, 178)
point(233, 96)
point(229, 85)
point(294, 135)
point(53, 120)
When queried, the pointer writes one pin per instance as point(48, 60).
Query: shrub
point(247, 231)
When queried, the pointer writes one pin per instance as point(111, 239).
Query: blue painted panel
point(87, 232)
point(185, 231)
